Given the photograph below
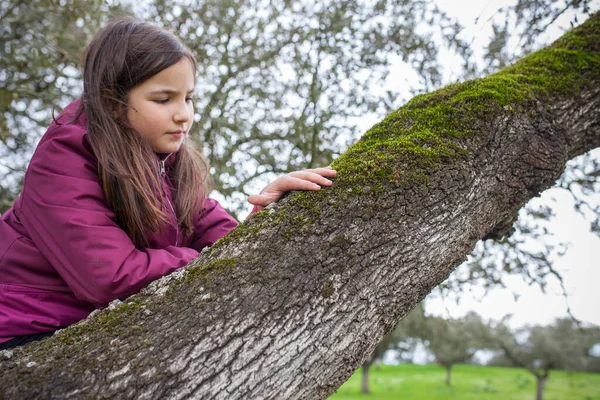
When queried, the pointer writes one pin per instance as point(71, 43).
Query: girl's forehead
point(178, 77)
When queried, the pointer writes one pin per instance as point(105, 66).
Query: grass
point(426, 382)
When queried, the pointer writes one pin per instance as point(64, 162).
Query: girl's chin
point(168, 148)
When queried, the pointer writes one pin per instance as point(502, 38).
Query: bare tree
point(452, 341)
point(293, 301)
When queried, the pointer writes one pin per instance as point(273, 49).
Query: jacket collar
point(169, 159)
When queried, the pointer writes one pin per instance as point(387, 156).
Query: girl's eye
point(188, 99)
point(161, 101)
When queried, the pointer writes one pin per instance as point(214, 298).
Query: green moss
point(328, 290)
point(119, 314)
point(214, 266)
point(428, 131)
point(357, 190)
point(434, 130)
point(109, 320)
point(247, 228)
point(305, 213)
point(340, 241)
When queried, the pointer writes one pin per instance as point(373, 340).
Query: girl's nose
point(182, 113)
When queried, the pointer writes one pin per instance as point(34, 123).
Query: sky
point(580, 264)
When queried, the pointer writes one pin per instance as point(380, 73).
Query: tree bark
point(541, 383)
point(365, 377)
point(448, 374)
point(292, 302)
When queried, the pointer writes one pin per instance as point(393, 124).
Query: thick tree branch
point(295, 299)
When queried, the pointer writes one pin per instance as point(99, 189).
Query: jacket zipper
point(161, 166)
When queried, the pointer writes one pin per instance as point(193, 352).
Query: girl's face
point(161, 109)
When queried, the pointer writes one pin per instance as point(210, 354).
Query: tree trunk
point(541, 382)
point(292, 302)
point(365, 377)
point(448, 374)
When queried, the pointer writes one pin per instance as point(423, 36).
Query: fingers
point(317, 175)
point(303, 180)
point(308, 179)
point(326, 171)
point(263, 200)
point(258, 200)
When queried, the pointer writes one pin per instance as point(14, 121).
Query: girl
point(115, 194)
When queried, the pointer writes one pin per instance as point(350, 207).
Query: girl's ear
point(113, 105)
point(116, 112)
point(119, 110)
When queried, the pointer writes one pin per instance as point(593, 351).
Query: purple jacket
point(61, 253)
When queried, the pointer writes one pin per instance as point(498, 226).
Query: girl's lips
point(177, 134)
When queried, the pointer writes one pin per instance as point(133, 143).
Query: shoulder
point(63, 163)
point(66, 142)
point(214, 214)
point(64, 169)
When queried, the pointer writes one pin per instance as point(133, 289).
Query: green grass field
point(426, 382)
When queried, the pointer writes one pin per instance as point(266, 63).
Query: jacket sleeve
point(214, 223)
point(65, 213)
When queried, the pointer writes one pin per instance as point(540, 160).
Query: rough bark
point(292, 302)
point(365, 377)
point(541, 383)
point(448, 374)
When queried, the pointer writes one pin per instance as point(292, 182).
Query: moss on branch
point(427, 131)
point(432, 130)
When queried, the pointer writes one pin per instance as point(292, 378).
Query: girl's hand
point(308, 179)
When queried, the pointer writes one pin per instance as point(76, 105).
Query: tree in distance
point(539, 349)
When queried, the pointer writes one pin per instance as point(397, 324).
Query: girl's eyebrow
point(170, 91)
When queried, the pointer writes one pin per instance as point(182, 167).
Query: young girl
point(115, 194)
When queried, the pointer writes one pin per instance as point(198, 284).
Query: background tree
point(401, 340)
point(450, 340)
point(539, 349)
point(40, 45)
point(291, 302)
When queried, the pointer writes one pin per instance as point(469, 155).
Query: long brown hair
point(122, 55)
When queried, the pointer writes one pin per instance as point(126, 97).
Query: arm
point(214, 223)
point(65, 214)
